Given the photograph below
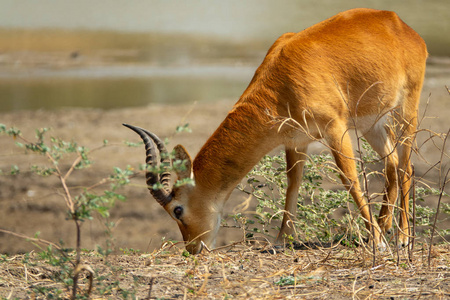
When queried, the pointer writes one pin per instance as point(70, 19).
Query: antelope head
point(197, 219)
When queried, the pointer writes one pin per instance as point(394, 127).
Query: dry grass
point(244, 272)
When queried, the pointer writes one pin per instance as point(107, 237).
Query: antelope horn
point(163, 196)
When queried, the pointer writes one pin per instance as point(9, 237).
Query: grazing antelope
point(361, 69)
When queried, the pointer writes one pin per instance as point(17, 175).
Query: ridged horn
point(164, 195)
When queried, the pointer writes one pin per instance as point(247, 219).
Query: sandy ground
point(241, 272)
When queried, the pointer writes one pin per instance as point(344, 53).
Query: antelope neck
point(234, 148)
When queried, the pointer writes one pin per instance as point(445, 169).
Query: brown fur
point(326, 79)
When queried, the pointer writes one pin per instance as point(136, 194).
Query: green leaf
point(14, 170)
point(183, 128)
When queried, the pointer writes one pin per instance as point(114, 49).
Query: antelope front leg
point(295, 160)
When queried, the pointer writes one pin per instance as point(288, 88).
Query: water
point(89, 89)
point(106, 55)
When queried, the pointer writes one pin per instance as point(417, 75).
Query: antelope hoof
point(403, 243)
point(381, 246)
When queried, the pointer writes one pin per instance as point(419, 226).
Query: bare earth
point(30, 204)
point(241, 272)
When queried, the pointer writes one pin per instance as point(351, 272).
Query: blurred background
point(115, 53)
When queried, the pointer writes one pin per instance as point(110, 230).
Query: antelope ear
point(182, 155)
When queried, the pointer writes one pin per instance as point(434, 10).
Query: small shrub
point(320, 210)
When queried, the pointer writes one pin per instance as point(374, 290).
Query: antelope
point(361, 69)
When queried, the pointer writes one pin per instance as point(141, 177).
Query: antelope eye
point(178, 211)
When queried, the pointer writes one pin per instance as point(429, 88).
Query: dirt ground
point(242, 272)
point(31, 204)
